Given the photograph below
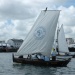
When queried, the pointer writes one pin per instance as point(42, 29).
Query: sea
point(7, 67)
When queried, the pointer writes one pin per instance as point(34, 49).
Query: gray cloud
point(67, 19)
point(23, 14)
point(15, 10)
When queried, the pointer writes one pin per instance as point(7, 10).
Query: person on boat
point(42, 57)
point(34, 56)
point(29, 56)
point(53, 54)
point(47, 58)
point(38, 56)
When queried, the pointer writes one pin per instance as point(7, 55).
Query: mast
point(57, 38)
point(46, 9)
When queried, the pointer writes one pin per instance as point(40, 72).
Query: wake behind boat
point(40, 41)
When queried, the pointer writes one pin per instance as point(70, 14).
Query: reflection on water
point(7, 67)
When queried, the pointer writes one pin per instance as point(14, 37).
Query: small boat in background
point(71, 47)
point(62, 44)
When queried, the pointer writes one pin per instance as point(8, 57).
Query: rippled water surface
point(7, 67)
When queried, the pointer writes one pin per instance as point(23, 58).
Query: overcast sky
point(18, 16)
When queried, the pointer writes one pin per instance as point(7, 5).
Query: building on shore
point(3, 46)
point(12, 45)
point(1, 42)
point(15, 43)
point(70, 41)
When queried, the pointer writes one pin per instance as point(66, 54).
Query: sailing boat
point(62, 44)
point(40, 41)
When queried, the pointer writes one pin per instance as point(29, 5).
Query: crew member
point(53, 55)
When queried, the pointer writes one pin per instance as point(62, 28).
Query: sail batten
point(41, 37)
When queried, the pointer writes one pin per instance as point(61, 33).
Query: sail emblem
point(40, 33)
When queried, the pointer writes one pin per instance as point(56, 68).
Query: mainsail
point(62, 44)
point(41, 37)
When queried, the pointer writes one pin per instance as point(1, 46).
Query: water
point(7, 67)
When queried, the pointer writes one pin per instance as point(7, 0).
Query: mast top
point(46, 9)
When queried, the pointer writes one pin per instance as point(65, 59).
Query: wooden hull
point(40, 62)
point(72, 55)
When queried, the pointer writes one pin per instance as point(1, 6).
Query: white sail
point(62, 44)
point(41, 37)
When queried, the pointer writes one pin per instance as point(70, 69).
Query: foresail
point(41, 37)
point(62, 44)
